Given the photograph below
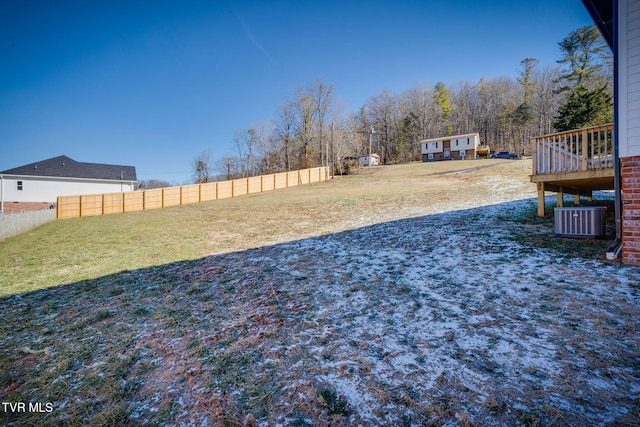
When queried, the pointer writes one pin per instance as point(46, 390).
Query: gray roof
point(64, 167)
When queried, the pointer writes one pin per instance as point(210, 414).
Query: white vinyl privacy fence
point(17, 223)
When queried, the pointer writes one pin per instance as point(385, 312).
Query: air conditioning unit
point(581, 222)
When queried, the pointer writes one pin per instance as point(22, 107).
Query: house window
point(19, 185)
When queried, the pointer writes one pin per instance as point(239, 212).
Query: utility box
point(580, 222)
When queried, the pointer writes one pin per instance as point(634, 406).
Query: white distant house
point(44, 181)
point(372, 160)
point(456, 147)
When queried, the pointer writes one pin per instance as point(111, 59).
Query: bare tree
point(310, 129)
point(384, 115)
point(285, 131)
point(202, 167)
point(545, 100)
point(304, 108)
point(227, 168)
point(322, 96)
point(266, 151)
point(148, 184)
point(523, 115)
point(245, 142)
point(420, 102)
point(463, 111)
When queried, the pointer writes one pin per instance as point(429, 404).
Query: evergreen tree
point(585, 107)
point(526, 77)
point(523, 115)
point(585, 55)
point(443, 98)
point(590, 99)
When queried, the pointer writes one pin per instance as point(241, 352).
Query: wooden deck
point(575, 162)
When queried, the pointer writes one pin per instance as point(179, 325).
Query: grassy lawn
point(67, 251)
point(421, 294)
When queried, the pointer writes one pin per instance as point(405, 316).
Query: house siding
point(628, 100)
point(39, 189)
point(629, 78)
point(453, 145)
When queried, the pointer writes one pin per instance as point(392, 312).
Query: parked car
point(504, 155)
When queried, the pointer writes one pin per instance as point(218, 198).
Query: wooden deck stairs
point(576, 162)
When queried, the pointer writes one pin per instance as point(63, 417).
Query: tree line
point(313, 127)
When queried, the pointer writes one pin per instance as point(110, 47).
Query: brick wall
point(631, 210)
point(17, 207)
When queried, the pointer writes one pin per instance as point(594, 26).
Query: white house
point(456, 147)
point(619, 23)
point(44, 181)
point(373, 160)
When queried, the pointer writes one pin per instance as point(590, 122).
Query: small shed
point(456, 147)
point(372, 160)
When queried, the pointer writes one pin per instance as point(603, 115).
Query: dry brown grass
point(67, 251)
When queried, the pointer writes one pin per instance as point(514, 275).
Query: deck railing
point(574, 151)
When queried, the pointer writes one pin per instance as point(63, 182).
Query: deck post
point(560, 197)
point(541, 199)
point(576, 199)
point(534, 157)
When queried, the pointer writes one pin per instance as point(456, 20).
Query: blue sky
point(153, 83)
